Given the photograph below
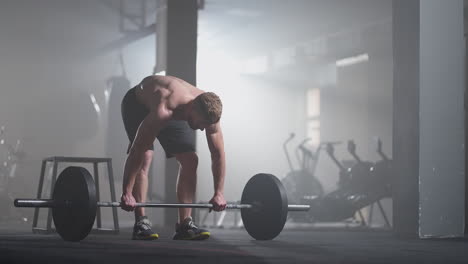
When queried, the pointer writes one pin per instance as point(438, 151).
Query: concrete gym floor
point(232, 246)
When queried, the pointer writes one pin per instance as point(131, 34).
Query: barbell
point(264, 205)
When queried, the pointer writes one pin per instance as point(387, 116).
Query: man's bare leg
point(186, 187)
point(187, 181)
point(142, 228)
point(140, 189)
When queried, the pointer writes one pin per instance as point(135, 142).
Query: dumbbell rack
point(55, 160)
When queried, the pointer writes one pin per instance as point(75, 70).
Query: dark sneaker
point(142, 230)
point(187, 230)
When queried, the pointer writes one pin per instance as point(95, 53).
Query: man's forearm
point(132, 165)
point(218, 167)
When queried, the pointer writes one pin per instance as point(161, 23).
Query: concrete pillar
point(406, 116)
point(176, 54)
point(428, 132)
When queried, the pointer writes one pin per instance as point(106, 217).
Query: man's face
point(196, 121)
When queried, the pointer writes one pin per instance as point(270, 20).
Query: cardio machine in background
point(302, 182)
point(361, 184)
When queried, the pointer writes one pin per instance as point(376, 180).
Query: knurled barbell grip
point(179, 205)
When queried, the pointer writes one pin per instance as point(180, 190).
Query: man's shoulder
point(157, 80)
point(161, 112)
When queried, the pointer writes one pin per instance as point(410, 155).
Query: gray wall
point(441, 142)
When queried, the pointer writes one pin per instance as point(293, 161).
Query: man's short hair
point(210, 106)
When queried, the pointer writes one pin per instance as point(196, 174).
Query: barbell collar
point(40, 203)
point(298, 207)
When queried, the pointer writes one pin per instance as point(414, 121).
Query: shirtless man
point(167, 108)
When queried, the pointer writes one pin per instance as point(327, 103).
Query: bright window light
point(313, 102)
point(352, 60)
point(96, 106)
point(107, 94)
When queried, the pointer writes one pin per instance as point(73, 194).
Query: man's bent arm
point(218, 159)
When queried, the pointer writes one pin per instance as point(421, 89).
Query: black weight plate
point(76, 186)
point(267, 220)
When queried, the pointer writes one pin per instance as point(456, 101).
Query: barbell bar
point(51, 203)
point(291, 207)
point(263, 206)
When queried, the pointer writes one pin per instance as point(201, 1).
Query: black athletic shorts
point(176, 137)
